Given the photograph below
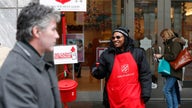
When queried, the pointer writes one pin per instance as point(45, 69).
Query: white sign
point(65, 54)
point(66, 5)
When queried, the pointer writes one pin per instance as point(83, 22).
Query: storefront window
point(7, 26)
point(22, 3)
point(181, 23)
point(8, 3)
point(9, 10)
point(146, 31)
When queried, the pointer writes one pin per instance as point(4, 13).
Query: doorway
point(152, 16)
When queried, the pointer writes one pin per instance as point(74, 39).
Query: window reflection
point(181, 24)
point(7, 27)
point(8, 3)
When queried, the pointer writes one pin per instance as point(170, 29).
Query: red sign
point(63, 1)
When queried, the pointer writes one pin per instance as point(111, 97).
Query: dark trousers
point(77, 67)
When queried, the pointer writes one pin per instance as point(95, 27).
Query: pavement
point(87, 99)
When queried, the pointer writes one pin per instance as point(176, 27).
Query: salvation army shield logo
point(124, 68)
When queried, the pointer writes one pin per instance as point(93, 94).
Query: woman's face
point(165, 36)
point(118, 39)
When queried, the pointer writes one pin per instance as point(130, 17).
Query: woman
point(172, 47)
point(126, 72)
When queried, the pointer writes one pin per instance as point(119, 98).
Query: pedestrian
point(80, 51)
point(126, 71)
point(89, 58)
point(171, 50)
point(182, 42)
point(27, 80)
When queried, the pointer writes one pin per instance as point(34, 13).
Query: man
point(26, 79)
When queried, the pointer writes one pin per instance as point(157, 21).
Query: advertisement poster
point(66, 5)
point(65, 54)
point(77, 39)
point(99, 51)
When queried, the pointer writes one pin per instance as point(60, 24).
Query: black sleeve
point(99, 71)
point(145, 76)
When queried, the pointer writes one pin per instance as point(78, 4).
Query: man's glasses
point(113, 37)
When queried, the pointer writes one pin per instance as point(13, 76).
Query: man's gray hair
point(34, 15)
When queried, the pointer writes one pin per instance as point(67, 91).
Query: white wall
point(9, 10)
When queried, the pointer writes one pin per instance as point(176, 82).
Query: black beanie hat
point(122, 30)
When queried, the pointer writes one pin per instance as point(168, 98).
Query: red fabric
point(123, 87)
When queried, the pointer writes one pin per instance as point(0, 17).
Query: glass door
point(146, 36)
point(152, 16)
point(181, 15)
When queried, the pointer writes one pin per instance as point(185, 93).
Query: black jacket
point(105, 67)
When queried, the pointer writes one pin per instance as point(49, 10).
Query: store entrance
point(150, 19)
point(145, 19)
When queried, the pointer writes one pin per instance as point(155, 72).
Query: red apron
point(123, 87)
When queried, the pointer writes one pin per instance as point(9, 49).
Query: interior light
point(189, 12)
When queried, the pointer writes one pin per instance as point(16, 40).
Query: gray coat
point(27, 81)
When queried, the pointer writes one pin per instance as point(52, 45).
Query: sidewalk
point(150, 104)
point(98, 104)
point(94, 100)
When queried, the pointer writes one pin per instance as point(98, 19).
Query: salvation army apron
point(123, 87)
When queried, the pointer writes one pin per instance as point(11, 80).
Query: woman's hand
point(158, 55)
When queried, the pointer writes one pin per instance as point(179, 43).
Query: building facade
point(144, 18)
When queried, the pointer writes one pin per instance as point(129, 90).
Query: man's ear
point(35, 31)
